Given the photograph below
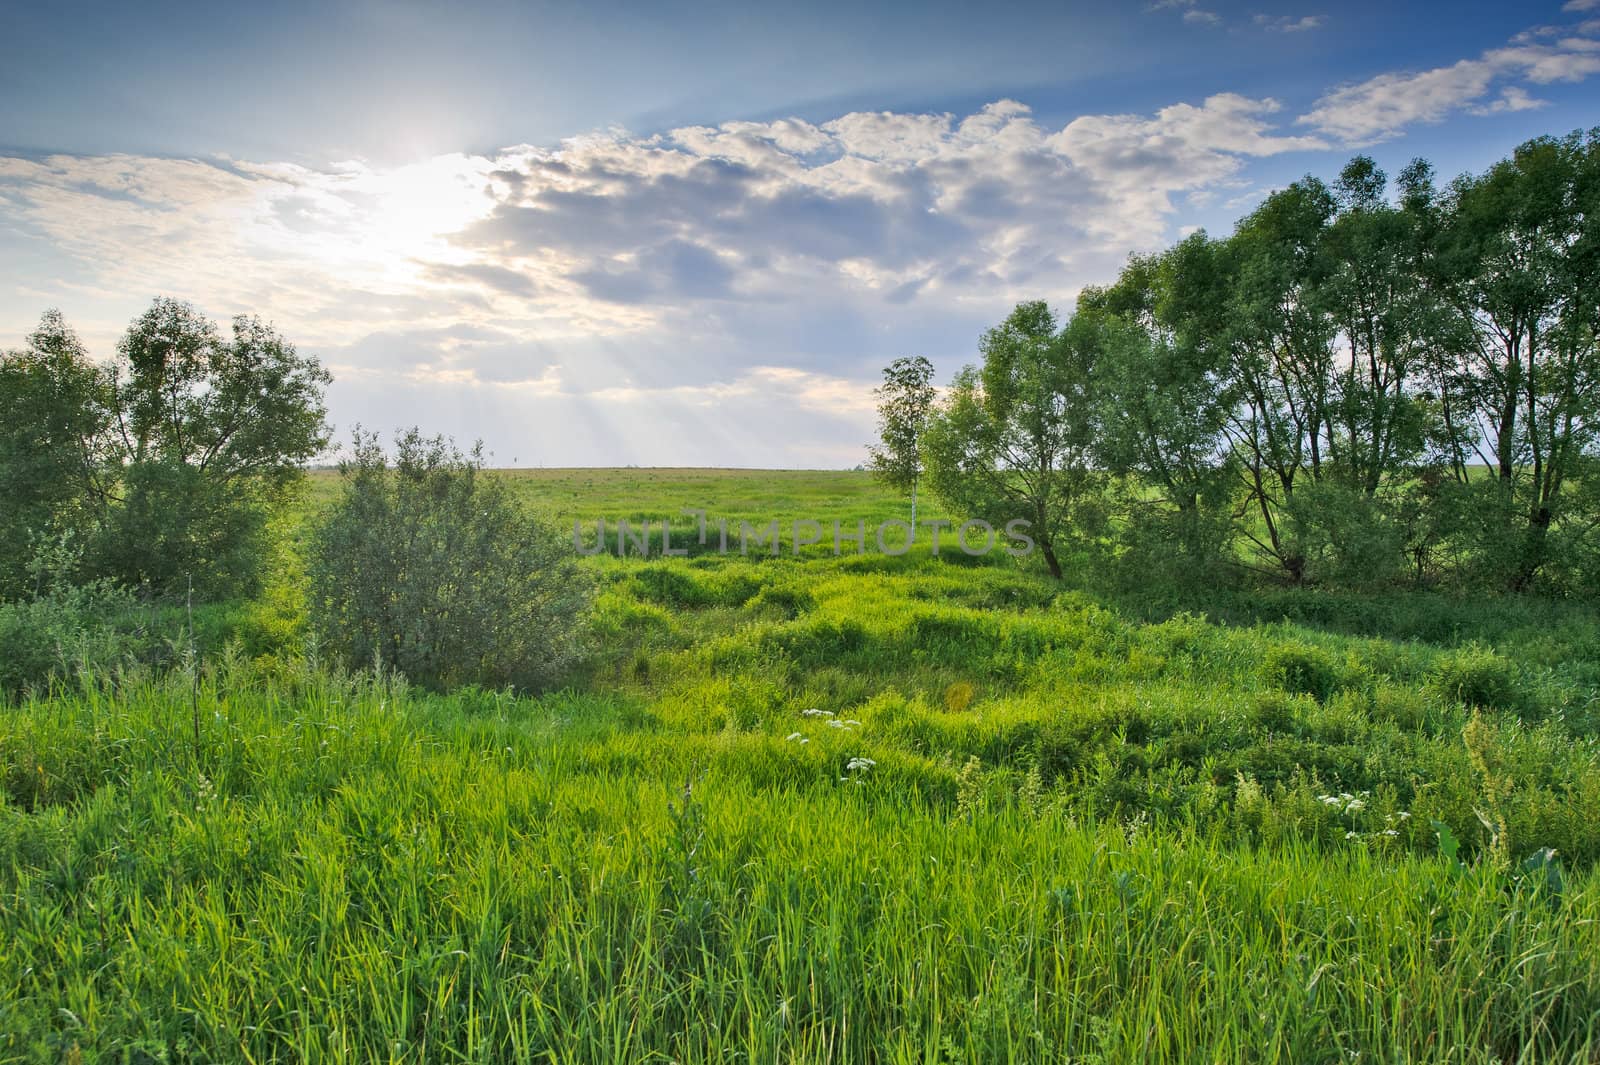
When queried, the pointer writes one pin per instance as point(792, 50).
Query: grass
point(862, 809)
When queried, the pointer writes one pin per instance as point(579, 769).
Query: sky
point(692, 234)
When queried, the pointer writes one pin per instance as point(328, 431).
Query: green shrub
point(56, 635)
point(670, 586)
point(1274, 712)
point(1476, 676)
point(788, 599)
point(1303, 670)
point(432, 569)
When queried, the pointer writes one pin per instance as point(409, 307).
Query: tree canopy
point(159, 465)
point(1367, 380)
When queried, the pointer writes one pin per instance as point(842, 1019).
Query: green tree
point(55, 413)
point(209, 430)
point(1164, 398)
point(1375, 291)
point(428, 566)
point(1280, 339)
point(1520, 262)
point(1015, 435)
point(905, 400)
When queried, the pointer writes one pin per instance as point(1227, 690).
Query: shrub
point(1304, 671)
point(670, 586)
point(1476, 676)
point(430, 567)
point(61, 632)
point(789, 600)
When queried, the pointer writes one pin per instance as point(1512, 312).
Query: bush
point(1349, 538)
point(1304, 671)
point(1476, 676)
point(61, 632)
point(429, 567)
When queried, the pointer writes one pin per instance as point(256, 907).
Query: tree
point(1520, 264)
point(428, 566)
point(1280, 340)
point(1015, 435)
point(209, 429)
point(1163, 397)
point(55, 411)
point(1374, 291)
point(160, 467)
point(905, 400)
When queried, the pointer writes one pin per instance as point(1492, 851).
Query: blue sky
point(692, 233)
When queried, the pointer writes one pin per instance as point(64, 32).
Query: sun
point(385, 226)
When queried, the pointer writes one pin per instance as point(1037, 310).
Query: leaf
point(1449, 845)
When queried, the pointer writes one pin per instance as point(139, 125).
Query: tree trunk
point(1050, 558)
point(1534, 549)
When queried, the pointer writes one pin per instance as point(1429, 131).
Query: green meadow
point(864, 808)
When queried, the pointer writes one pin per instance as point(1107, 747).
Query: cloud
point(1381, 107)
point(1512, 98)
point(1581, 5)
point(1193, 15)
point(1290, 24)
point(597, 299)
point(499, 278)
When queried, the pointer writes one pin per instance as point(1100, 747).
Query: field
point(853, 809)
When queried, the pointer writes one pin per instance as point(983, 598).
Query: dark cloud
point(500, 278)
point(674, 270)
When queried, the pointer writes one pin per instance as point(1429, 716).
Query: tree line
point(1366, 382)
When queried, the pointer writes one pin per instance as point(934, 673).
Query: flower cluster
point(1350, 805)
point(859, 765)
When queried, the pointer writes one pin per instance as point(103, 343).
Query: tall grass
point(346, 870)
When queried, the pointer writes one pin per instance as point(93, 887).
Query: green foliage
point(429, 567)
point(345, 867)
point(178, 527)
point(164, 465)
point(950, 777)
point(55, 411)
point(211, 429)
point(1347, 537)
point(1477, 677)
point(1356, 388)
point(67, 629)
point(1163, 400)
point(1013, 440)
point(905, 401)
point(1305, 671)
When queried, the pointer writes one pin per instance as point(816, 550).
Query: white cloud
point(1290, 24)
point(1581, 5)
point(1512, 98)
point(1381, 107)
point(1191, 14)
point(614, 277)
